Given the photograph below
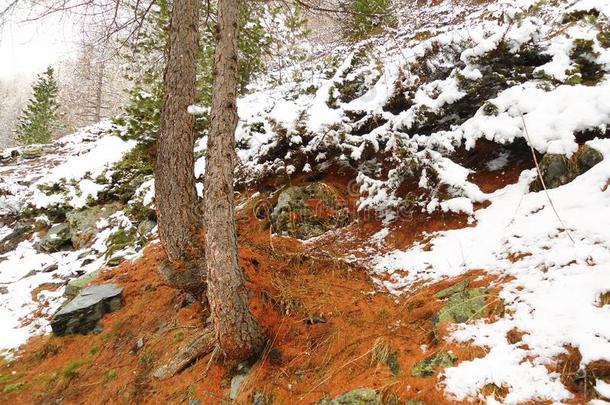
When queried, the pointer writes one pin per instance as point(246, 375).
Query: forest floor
point(331, 327)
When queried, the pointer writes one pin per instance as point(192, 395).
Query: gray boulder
point(58, 236)
point(82, 313)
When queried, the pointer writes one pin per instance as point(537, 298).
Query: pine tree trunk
point(238, 334)
point(175, 192)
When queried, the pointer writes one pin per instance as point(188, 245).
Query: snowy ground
point(551, 292)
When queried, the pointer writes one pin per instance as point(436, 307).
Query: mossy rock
point(57, 238)
point(75, 285)
point(557, 170)
point(118, 241)
point(83, 223)
point(433, 363)
point(463, 306)
point(32, 152)
point(358, 396)
point(587, 157)
point(115, 260)
point(308, 211)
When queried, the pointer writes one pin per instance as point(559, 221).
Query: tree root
point(186, 276)
point(199, 346)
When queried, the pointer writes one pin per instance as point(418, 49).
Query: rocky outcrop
point(82, 313)
point(557, 170)
point(82, 223)
point(20, 233)
point(308, 211)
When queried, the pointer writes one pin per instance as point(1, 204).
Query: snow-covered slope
point(398, 112)
point(32, 281)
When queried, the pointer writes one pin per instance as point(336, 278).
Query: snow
point(551, 117)
point(602, 388)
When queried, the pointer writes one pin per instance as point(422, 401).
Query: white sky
point(27, 48)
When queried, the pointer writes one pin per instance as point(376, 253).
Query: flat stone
point(82, 313)
point(19, 230)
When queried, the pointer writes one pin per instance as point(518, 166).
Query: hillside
point(422, 219)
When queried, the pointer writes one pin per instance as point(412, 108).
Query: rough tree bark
point(175, 192)
point(238, 334)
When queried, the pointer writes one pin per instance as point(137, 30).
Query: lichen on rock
point(433, 363)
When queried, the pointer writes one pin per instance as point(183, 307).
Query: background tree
point(364, 18)
point(38, 121)
point(238, 334)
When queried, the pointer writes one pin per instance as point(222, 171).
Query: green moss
point(422, 35)
point(119, 240)
point(71, 370)
point(577, 15)
point(574, 79)
point(311, 89)
point(52, 188)
point(490, 108)
point(178, 337)
point(139, 212)
point(8, 378)
point(111, 375)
